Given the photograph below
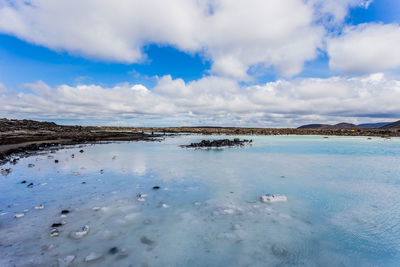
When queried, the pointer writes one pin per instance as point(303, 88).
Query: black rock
point(113, 250)
point(23, 182)
point(6, 172)
point(56, 161)
point(156, 187)
point(64, 211)
point(220, 143)
point(30, 185)
point(56, 225)
point(81, 151)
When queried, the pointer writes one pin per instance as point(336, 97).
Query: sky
point(254, 63)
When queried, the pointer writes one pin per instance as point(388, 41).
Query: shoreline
point(24, 137)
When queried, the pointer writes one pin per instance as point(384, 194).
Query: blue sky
point(35, 54)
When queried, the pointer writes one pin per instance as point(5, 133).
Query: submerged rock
point(122, 254)
point(93, 256)
point(279, 251)
point(146, 241)
point(269, 198)
point(31, 165)
point(66, 262)
point(81, 233)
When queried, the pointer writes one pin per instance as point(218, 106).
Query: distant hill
point(342, 125)
point(374, 125)
point(394, 125)
point(314, 126)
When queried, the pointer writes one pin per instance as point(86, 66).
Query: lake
point(157, 204)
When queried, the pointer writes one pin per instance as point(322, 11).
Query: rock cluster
point(219, 143)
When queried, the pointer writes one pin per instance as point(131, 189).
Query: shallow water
point(342, 209)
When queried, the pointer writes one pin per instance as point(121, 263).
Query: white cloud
point(234, 34)
point(366, 48)
point(214, 100)
point(334, 12)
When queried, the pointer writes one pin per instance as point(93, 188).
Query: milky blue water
point(342, 209)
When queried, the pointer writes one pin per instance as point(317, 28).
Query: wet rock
point(219, 143)
point(101, 171)
point(48, 247)
point(269, 198)
point(57, 225)
point(72, 156)
point(40, 207)
point(31, 165)
point(156, 187)
point(23, 182)
point(30, 185)
point(93, 256)
point(66, 262)
point(113, 250)
point(146, 241)
point(54, 232)
point(5, 172)
point(18, 215)
point(64, 212)
point(81, 151)
point(81, 233)
point(14, 160)
point(56, 161)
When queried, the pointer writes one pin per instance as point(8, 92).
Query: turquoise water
point(342, 208)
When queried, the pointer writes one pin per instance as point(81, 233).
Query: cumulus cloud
point(334, 12)
point(366, 48)
point(214, 101)
point(233, 34)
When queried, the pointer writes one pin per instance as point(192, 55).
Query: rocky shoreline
point(19, 137)
point(378, 132)
point(25, 137)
